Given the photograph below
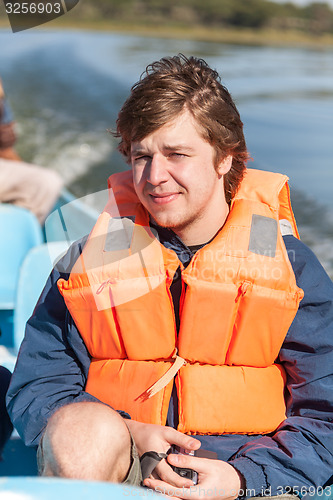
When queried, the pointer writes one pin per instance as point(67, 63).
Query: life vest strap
point(165, 379)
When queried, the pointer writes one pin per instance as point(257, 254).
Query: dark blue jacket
point(53, 364)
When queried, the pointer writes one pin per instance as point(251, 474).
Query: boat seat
point(66, 489)
point(20, 231)
point(33, 274)
point(52, 488)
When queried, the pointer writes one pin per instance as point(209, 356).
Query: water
point(67, 87)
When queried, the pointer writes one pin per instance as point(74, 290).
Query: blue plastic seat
point(34, 272)
point(40, 488)
point(20, 231)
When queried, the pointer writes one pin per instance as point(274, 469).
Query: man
point(189, 307)
point(23, 184)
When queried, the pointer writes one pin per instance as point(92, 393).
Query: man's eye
point(177, 155)
point(142, 158)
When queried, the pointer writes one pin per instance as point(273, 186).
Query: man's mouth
point(163, 198)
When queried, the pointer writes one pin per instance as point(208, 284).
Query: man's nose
point(157, 170)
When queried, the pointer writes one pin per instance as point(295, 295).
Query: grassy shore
point(265, 37)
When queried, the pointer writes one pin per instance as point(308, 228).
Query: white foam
point(71, 152)
point(321, 246)
point(13, 495)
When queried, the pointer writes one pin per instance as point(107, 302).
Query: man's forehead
point(175, 134)
point(177, 146)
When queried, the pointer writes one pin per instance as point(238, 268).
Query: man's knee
point(86, 441)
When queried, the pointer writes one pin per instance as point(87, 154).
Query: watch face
point(186, 473)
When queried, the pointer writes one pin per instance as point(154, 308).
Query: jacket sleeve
point(300, 452)
point(52, 364)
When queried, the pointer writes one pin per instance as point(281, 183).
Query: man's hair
point(175, 84)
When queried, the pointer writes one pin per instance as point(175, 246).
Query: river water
point(66, 87)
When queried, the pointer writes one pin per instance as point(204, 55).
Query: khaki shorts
point(134, 475)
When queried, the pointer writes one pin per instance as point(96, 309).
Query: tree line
point(316, 17)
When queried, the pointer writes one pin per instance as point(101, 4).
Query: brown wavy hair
point(168, 87)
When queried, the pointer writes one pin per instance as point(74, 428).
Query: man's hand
point(216, 480)
point(150, 437)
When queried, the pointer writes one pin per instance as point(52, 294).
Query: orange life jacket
point(241, 297)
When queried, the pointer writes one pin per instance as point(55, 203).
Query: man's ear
point(225, 165)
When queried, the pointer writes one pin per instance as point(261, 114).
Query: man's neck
point(200, 234)
point(169, 238)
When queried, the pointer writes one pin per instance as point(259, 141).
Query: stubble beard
point(176, 222)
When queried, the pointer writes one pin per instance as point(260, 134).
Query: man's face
point(175, 179)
